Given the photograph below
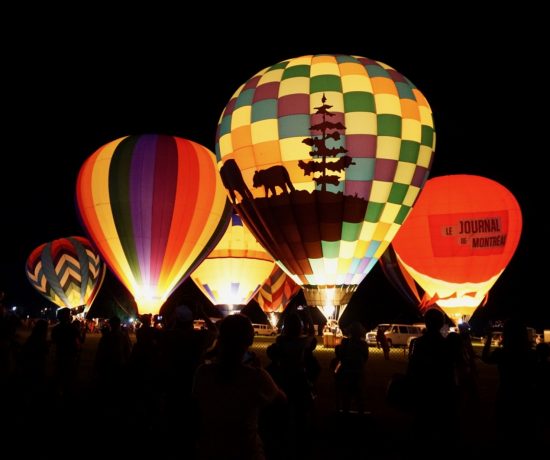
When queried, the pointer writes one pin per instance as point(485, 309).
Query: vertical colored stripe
point(164, 193)
point(119, 192)
point(182, 240)
point(141, 201)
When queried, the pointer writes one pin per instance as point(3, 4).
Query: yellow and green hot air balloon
point(323, 157)
point(235, 269)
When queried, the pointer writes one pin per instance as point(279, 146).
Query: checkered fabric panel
point(381, 130)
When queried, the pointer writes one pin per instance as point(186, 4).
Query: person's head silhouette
point(434, 320)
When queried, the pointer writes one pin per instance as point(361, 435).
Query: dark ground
point(82, 429)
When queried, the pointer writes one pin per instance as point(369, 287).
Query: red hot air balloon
point(155, 207)
point(67, 271)
point(458, 239)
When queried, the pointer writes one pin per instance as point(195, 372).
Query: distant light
point(131, 320)
point(14, 308)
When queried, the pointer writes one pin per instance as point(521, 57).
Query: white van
point(397, 335)
point(264, 329)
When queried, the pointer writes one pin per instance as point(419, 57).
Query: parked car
point(264, 329)
point(398, 335)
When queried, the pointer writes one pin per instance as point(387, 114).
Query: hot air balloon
point(155, 206)
point(235, 269)
point(404, 283)
point(458, 239)
point(323, 157)
point(67, 271)
point(274, 295)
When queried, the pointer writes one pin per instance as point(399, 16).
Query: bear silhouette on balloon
point(271, 178)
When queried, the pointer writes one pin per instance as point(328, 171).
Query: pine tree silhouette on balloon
point(320, 151)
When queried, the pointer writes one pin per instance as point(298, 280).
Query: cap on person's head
point(184, 314)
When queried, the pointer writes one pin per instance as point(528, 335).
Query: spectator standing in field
point(382, 342)
point(229, 396)
point(517, 368)
point(68, 342)
point(431, 375)
point(352, 354)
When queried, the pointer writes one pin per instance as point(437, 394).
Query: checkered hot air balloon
point(155, 206)
point(323, 157)
point(458, 240)
point(235, 269)
point(67, 271)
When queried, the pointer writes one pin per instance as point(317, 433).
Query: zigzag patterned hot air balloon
point(155, 206)
point(235, 269)
point(67, 271)
point(323, 157)
point(276, 292)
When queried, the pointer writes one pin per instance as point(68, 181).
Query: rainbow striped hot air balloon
point(323, 157)
point(235, 269)
point(67, 271)
point(155, 207)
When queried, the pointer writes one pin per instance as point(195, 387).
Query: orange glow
point(458, 239)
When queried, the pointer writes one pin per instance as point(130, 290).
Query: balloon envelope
point(323, 157)
point(67, 271)
point(400, 279)
point(277, 290)
point(235, 269)
point(458, 239)
point(154, 206)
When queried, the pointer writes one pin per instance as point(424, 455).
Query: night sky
point(72, 90)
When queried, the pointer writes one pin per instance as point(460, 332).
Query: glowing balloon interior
point(155, 206)
point(458, 239)
point(235, 269)
point(323, 157)
point(67, 271)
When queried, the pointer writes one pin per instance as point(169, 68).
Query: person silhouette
point(352, 353)
point(516, 362)
point(431, 374)
point(229, 395)
point(68, 342)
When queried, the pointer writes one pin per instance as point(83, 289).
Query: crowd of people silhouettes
point(205, 392)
